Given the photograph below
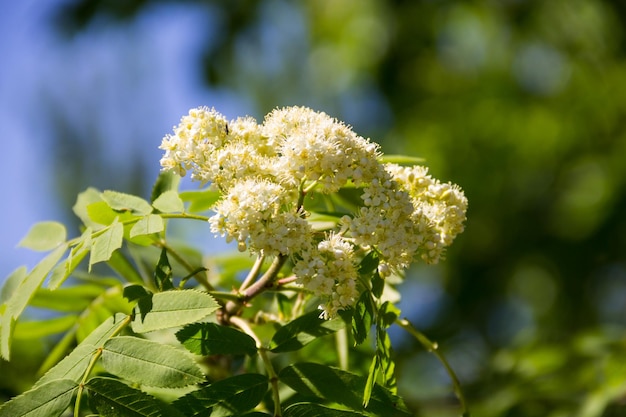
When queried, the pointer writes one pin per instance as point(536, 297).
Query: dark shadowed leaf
point(112, 398)
point(342, 387)
point(302, 331)
point(228, 397)
point(213, 339)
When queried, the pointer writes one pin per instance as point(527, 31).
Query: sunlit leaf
point(152, 223)
point(302, 331)
point(213, 339)
point(74, 365)
point(227, 397)
point(342, 387)
point(44, 236)
point(149, 363)
point(169, 202)
point(200, 200)
point(23, 294)
point(12, 282)
point(112, 398)
point(84, 200)
point(47, 400)
point(316, 410)
point(126, 202)
point(175, 308)
point(401, 160)
point(166, 181)
point(371, 380)
point(77, 253)
point(106, 243)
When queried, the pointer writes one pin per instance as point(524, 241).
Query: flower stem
point(434, 348)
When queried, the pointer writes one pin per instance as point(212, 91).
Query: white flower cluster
point(264, 170)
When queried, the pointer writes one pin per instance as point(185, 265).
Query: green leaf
point(401, 160)
point(388, 314)
point(23, 294)
point(73, 366)
point(369, 264)
point(316, 410)
point(166, 181)
point(77, 253)
point(371, 380)
point(342, 387)
point(101, 213)
point(12, 282)
point(43, 328)
point(126, 202)
point(200, 200)
point(213, 339)
point(47, 400)
point(105, 244)
point(362, 318)
point(149, 363)
point(44, 236)
point(231, 396)
point(84, 200)
point(152, 223)
point(175, 308)
point(302, 331)
point(169, 202)
point(120, 264)
point(163, 272)
point(378, 285)
point(112, 398)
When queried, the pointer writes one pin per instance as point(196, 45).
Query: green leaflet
point(152, 223)
point(302, 331)
point(231, 396)
point(126, 202)
point(105, 244)
point(112, 398)
point(77, 253)
point(213, 339)
point(169, 202)
point(11, 283)
point(173, 309)
point(149, 363)
point(316, 410)
point(47, 400)
point(363, 317)
point(73, 366)
point(67, 299)
point(84, 200)
point(342, 387)
point(166, 181)
point(22, 295)
point(200, 200)
point(44, 236)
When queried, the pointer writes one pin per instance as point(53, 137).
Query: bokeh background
point(521, 102)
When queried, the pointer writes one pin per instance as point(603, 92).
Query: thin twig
point(434, 348)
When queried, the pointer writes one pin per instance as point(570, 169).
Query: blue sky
point(128, 84)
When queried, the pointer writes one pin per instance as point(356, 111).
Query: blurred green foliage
point(523, 103)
